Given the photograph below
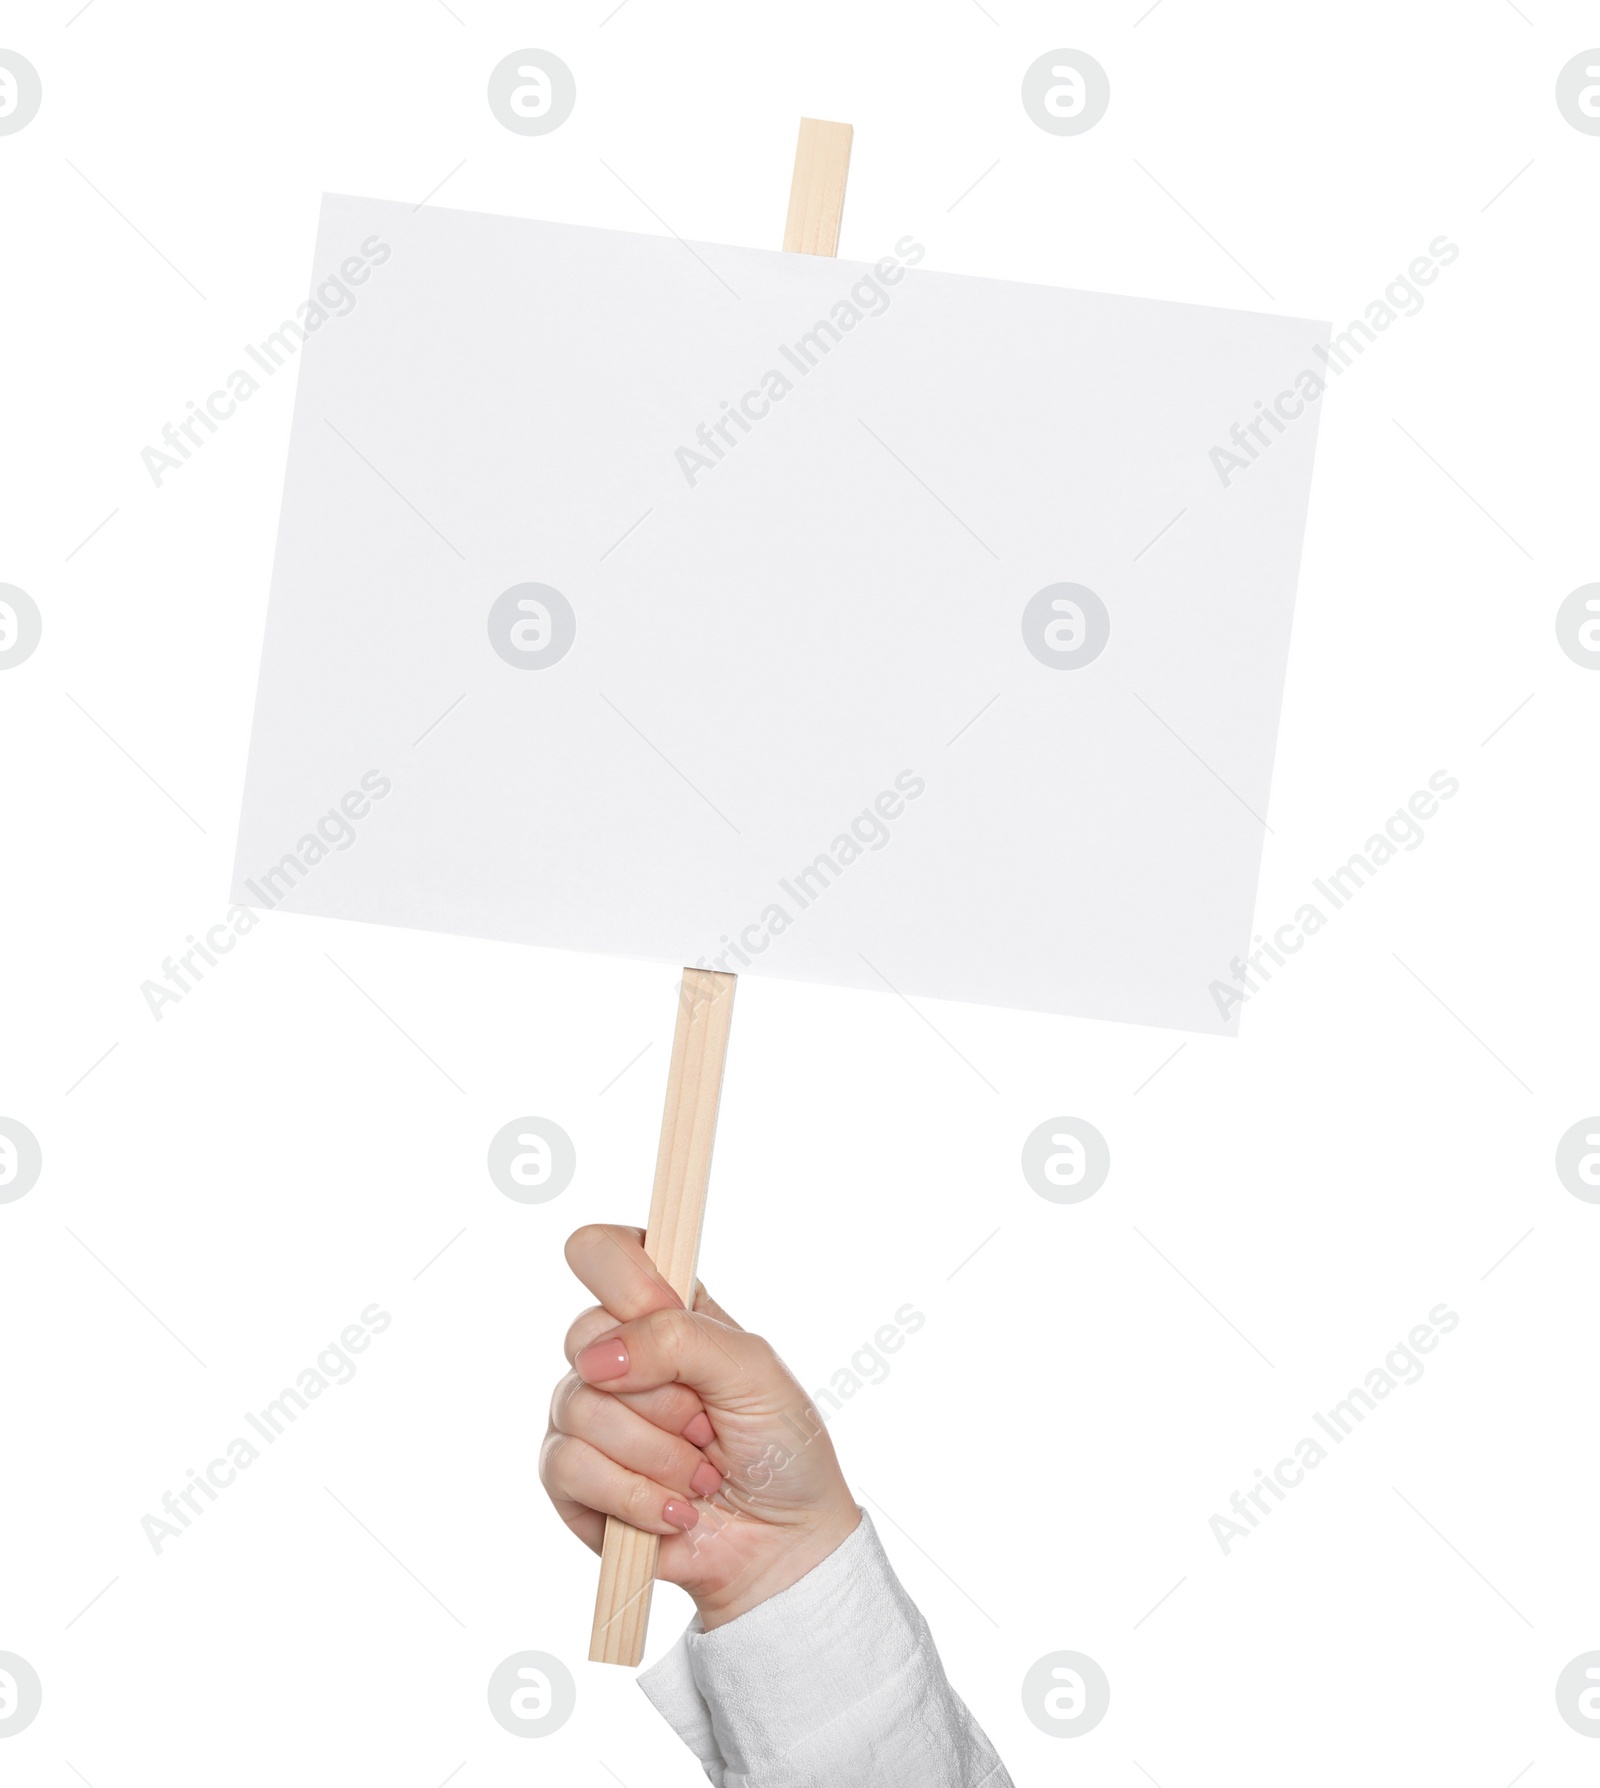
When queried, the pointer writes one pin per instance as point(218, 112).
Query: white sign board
point(841, 622)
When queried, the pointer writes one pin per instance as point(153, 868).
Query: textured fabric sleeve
point(835, 1683)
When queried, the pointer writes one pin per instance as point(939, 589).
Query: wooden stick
point(677, 1208)
point(816, 199)
point(700, 1042)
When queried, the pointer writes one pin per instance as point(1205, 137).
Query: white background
point(275, 1154)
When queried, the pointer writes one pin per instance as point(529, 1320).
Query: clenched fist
point(682, 1423)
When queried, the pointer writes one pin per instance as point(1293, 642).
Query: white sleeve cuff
point(834, 1681)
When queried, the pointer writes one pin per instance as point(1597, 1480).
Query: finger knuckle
point(642, 1503)
point(552, 1458)
point(566, 1403)
point(669, 1330)
point(584, 1240)
point(584, 1328)
point(669, 1463)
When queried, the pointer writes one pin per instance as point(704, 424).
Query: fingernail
point(700, 1433)
point(707, 1480)
point(601, 1360)
point(680, 1514)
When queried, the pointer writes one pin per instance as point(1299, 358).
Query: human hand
point(683, 1424)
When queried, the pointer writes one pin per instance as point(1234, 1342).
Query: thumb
point(708, 1306)
point(730, 1368)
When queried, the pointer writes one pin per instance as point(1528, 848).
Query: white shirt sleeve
point(835, 1683)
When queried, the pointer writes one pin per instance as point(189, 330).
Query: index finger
point(611, 1261)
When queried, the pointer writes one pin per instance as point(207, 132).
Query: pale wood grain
point(816, 199)
point(672, 1240)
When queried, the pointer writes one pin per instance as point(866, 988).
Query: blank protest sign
point(781, 615)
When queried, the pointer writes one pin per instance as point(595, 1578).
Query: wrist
point(792, 1554)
